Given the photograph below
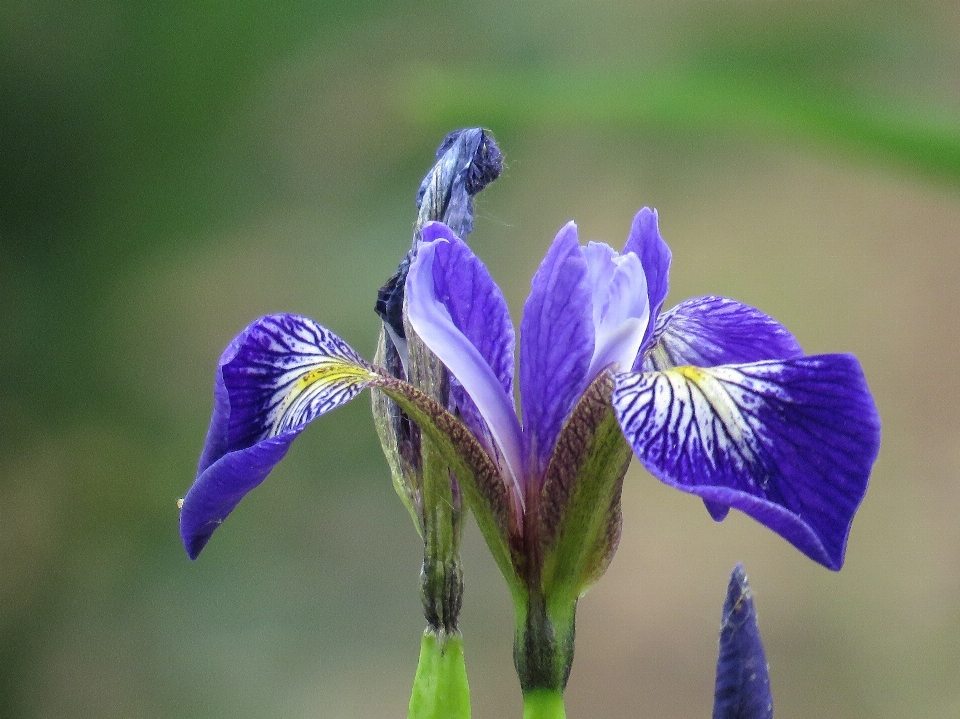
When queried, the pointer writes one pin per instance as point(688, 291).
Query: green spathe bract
point(440, 688)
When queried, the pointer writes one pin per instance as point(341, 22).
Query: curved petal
point(280, 373)
point(556, 345)
point(433, 322)
point(711, 331)
point(478, 309)
point(790, 443)
point(621, 309)
point(645, 241)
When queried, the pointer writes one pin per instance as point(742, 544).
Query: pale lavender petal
point(280, 373)
point(711, 331)
point(645, 241)
point(433, 322)
point(556, 345)
point(621, 309)
point(790, 443)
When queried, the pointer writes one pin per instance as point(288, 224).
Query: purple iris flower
point(714, 397)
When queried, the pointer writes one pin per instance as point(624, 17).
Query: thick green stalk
point(543, 645)
point(442, 575)
point(440, 688)
point(543, 704)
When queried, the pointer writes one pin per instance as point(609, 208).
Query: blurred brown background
point(171, 171)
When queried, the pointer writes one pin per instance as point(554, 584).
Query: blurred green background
point(171, 170)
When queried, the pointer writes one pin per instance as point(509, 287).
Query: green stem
point(440, 689)
point(543, 704)
point(442, 575)
point(543, 650)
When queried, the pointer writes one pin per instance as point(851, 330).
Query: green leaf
point(402, 460)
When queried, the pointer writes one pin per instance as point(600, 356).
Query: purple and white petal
point(645, 241)
point(621, 309)
point(433, 322)
point(556, 345)
point(712, 331)
point(478, 309)
point(790, 443)
point(280, 373)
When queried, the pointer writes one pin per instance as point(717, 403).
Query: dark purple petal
point(743, 681)
point(711, 331)
point(556, 345)
point(280, 373)
point(645, 240)
point(790, 443)
point(219, 488)
point(433, 322)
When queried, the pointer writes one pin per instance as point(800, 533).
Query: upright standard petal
point(556, 346)
point(621, 309)
point(477, 308)
point(280, 373)
point(711, 331)
point(789, 443)
point(645, 241)
point(431, 284)
point(743, 681)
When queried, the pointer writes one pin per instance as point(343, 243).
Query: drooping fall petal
point(711, 331)
point(279, 374)
point(790, 443)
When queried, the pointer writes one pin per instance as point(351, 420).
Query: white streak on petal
point(621, 307)
point(432, 322)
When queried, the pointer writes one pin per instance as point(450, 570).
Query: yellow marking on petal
point(694, 374)
point(719, 400)
point(329, 374)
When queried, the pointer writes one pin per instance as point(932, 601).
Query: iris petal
point(280, 373)
point(431, 319)
point(478, 309)
point(711, 331)
point(789, 443)
point(646, 243)
point(621, 308)
point(556, 345)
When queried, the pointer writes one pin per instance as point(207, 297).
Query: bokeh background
point(171, 170)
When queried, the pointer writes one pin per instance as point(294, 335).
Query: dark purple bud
point(743, 683)
point(467, 161)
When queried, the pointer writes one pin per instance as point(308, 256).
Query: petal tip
point(436, 231)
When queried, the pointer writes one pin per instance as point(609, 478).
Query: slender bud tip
point(743, 682)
